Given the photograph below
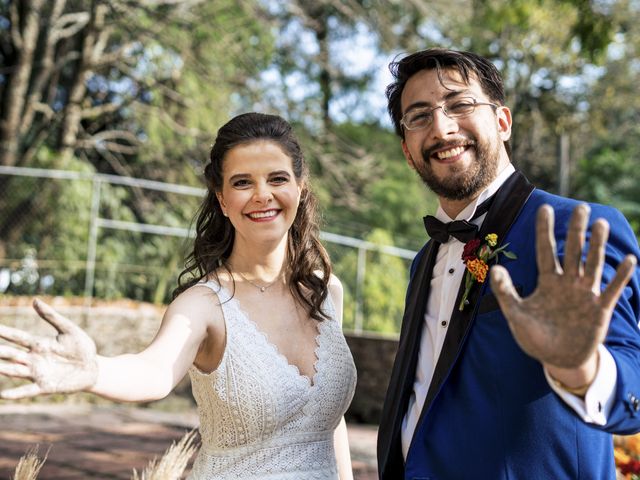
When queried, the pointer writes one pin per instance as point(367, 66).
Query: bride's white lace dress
point(259, 417)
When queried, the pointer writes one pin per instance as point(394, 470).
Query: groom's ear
point(407, 155)
point(503, 115)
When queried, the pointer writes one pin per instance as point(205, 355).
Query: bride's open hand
point(61, 364)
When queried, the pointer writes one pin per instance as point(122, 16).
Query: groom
point(525, 376)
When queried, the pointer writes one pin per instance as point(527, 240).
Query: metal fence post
point(360, 273)
point(92, 244)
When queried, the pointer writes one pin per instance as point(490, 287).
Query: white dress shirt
point(445, 283)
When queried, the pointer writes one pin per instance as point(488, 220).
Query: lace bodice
point(259, 417)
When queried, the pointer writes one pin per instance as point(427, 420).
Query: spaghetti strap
point(211, 284)
point(216, 288)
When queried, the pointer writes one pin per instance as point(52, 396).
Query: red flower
point(469, 252)
point(633, 466)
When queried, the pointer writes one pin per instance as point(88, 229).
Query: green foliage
point(147, 272)
point(593, 29)
point(607, 171)
point(610, 176)
point(207, 62)
point(546, 51)
point(386, 279)
point(390, 196)
point(384, 287)
point(57, 230)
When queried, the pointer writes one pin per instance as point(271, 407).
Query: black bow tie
point(461, 230)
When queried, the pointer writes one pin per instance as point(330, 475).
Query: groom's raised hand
point(567, 316)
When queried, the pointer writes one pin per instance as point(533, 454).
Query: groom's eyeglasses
point(422, 117)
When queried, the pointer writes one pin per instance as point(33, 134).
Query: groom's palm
point(565, 319)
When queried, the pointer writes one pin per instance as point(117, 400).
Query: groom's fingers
point(503, 289)
point(575, 240)
point(545, 241)
point(595, 256)
point(614, 289)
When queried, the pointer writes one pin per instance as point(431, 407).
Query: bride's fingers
point(14, 355)
point(24, 391)
point(14, 370)
point(19, 337)
point(61, 323)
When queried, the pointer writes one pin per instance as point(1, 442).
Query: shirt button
point(443, 323)
point(451, 270)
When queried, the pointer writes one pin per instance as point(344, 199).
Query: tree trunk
point(18, 86)
point(91, 49)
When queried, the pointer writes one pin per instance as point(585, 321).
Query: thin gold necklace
point(262, 288)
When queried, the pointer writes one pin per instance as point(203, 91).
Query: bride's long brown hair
point(307, 260)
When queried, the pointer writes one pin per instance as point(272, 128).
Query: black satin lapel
point(409, 344)
point(508, 202)
point(402, 376)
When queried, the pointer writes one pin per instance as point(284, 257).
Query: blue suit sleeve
point(623, 337)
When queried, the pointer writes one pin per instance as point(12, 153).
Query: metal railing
point(98, 223)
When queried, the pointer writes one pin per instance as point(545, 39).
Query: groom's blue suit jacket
point(490, 413)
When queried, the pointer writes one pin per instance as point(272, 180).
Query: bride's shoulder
point(335, 291)
point(335, 283)
point(200, 303)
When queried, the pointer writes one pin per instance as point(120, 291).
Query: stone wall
point(373, 355)
point(119, 327)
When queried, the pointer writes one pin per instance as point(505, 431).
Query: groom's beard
point(461, 183)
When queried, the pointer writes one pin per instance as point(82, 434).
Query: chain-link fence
point(105, 236)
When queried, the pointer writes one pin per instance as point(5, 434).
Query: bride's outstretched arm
point(69, 363)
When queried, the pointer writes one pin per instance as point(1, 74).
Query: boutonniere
point(476, 256)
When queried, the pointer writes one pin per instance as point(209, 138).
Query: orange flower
point(478, 269)
point(620, 456)
point(633, 444)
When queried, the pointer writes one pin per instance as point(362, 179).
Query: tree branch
point(102, 141)
point(33, 103)
point(69, 24)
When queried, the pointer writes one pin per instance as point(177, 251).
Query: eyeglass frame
point(431, 111)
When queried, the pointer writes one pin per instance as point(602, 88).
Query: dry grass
point(29, 465)
point(170, 467)
point(173, 463)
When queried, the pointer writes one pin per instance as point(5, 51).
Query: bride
point(255, 322)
